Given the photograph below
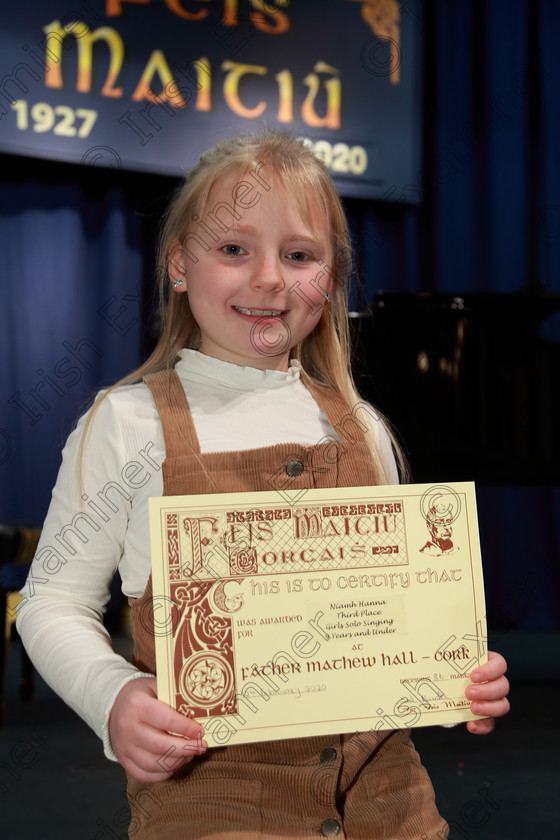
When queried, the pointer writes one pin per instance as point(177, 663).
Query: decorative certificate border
point(247, 591)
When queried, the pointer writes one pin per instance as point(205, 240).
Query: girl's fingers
point(488, 694)
point(481, 727)
point(143, 707)
point(494, 690)
point(491, 670)
point(149, 764)
point(177, 753)
point(165, 747)
point(150, 739)
point(491, 708)
point(158, 742)
point(142, 764)
point(160, 716)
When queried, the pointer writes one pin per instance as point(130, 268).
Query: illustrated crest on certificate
point(350, 609)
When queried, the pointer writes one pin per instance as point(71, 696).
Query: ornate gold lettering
point(55, 36)
point(333, 86)
point(204, 77)
point(384, 18)
point(113, 8)
point(231, 88)
point(263, 10)
point(230, 16)
point(286, 91)
point(157, 63)
point(177, 9)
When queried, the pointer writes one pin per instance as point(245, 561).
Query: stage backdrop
point(149, 85)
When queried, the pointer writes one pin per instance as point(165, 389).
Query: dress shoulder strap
point(179, 433)
point(344, 419)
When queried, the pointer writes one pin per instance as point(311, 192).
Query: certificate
point(347, 610)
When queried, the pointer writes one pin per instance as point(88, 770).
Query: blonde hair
point(325, 353)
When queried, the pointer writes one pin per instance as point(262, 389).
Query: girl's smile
point(254, 287)
point(259, 313)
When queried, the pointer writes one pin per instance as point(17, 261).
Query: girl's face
point(256, 288)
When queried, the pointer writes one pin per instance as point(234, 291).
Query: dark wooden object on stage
point(471, 382)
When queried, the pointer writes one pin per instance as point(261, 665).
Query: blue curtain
point(72, 264)
point(71, 269)
point(490, 217)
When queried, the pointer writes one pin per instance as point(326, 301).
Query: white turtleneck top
point(98, 521)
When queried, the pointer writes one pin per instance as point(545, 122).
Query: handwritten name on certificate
point(350, 609)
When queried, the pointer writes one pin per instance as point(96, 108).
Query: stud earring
point(327, 297)
point(177, 283)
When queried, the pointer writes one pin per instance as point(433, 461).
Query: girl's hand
point(140, 727)
point(488, 693)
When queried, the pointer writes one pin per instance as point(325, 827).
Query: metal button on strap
point(329, 754)
point(330, 828)
point(294, 468)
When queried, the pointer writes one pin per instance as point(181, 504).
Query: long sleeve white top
point(98, 517)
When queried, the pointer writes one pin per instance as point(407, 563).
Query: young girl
point(248, 381)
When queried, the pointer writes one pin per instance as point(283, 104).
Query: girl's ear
point(176, 268)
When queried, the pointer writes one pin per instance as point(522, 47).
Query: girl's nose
point(267, 274)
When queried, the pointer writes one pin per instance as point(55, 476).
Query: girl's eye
point(233, 250)
point(298, 256)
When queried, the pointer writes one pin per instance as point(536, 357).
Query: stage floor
point(499, 787)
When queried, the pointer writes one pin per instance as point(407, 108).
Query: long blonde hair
point(325, 353)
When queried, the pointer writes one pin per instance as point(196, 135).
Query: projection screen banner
point(149, 84)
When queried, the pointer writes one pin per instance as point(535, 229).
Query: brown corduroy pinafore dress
point(357, 786)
